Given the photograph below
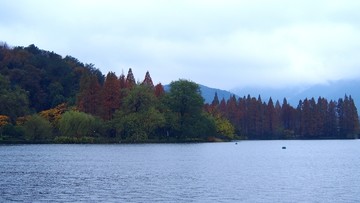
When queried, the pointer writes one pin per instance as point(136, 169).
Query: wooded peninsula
point(47, 98)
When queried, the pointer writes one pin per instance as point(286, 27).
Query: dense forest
point(47, 98)
point(311, 119)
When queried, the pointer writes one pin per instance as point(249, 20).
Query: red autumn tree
point(159, 90)
point(89, 98)
point(148, 81)
point(215, 101)
point(130, 79)
point(123, 88)
point(122, 81)
point(270, 119)
point(110, 95)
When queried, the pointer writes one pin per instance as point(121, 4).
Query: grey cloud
point(221, 44)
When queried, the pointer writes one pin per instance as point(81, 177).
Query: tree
point(4, 120)
point(89, 96)
point(53, 115)
point(130, 79)
point(139, 117)
point(321, 116)
point(185, 100)
point(348, 118)
point(110, 96)
point(215, 101)
point(56, 93)
point(224, 127)
point(37, 129)
point(148, 81)
point(353, 118)
point(14, 100)
point(123, 88)
point(270, 124)
point(331, 125)
point(77, 124)
point(159, 90)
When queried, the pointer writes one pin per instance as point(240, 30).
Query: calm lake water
point(251, 171)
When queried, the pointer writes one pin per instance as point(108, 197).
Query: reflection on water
point(251, 171)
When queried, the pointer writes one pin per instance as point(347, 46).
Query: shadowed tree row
point(311, 119)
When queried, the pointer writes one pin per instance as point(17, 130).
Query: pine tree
point(231, 109)
point(89, 98)
point(313, 119)
point(148, 81)
point(322, 107)
point(159, 90)
point(305, 119)
point(215, 101)
point(222, 106)
point(123, 88)
point(341, 118)
point(130, 79)
point(110, 95)
point(331, 125)
point(350, 120)
point(241, 116)
point(270, 119)
point(122, 81)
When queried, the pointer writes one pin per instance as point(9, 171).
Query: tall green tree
point(185, 100)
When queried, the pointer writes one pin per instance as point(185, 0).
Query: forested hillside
point(47, 98)
point(35, 80)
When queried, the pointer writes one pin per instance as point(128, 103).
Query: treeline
point(46, 98)
point(311, 119)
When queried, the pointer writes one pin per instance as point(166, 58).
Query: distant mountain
point(208, 93)
point(331, 91)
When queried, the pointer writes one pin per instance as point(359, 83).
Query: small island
point(46, 98)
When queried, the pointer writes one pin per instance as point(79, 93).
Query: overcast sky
point(222, 44)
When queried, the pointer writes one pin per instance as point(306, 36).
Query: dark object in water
point(283, 148)
point(235, 142)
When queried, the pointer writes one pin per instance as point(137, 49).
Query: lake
point(249, 171)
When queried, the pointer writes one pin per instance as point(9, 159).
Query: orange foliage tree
point(130, 80)
point(110, 95)
point(148, 81)
point(53, 115)
point(4, 120)
point(89, 98)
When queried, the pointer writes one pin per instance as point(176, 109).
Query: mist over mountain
point(331, 91)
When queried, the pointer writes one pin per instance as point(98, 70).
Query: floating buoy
point(283, 148)
point(235, 142)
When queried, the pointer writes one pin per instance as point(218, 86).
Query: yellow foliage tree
point(21, 120)
point(4, 120)
point(53, 115)
point(224, 127)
